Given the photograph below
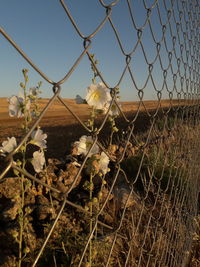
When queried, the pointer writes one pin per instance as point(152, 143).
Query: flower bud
point(95, 200)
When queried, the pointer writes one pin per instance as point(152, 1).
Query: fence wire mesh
point(149, 199)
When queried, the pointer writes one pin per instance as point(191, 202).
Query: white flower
point(114, 110)
point(38, 161)
point(98, 95)
point(39, 139)
point(103, 163)
point(84, 144)
point(9, 145)
point(80, 100)
point(18, 105)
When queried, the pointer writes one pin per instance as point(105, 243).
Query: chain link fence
point(149, 199)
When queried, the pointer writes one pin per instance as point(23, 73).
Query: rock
point(122, 194)
point(44, 211)
point(42, 200)
point(44, 208)
point(61, 187)
point(8, 261)
point(10, 187)
point(10, 200)
point(68, 176)
point(10, 211)
point(52, 168)
point(8, 235)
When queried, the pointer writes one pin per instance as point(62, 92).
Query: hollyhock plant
point(103, 163)
point(98, 96)
point(38, 161)
point(84, 144)
point(9, 145)
point(17, 106)
point(25, 106)
point(39, 138)
point(34, 91)
point(114, 110)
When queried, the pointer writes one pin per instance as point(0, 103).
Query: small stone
point(42, 200)
point(124, 197)
point(44, 211)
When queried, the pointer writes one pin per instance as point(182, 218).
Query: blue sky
point(44, 32)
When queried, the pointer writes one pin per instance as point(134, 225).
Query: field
point(61, 125)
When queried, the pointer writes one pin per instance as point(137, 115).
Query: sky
point(44, 32)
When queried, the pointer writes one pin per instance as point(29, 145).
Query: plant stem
point(90, 247)
point(21, 214)
point(21, 222)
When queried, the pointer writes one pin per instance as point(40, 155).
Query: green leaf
point(16, 172)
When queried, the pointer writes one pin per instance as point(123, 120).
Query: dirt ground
point(62, 129)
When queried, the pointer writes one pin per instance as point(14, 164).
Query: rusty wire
point(159, 231)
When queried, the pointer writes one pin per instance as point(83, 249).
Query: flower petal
point(38, 161)
point(98, 95)
point(103, 163)
point(84, 144)
point(39, 139)
point(9, 145)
